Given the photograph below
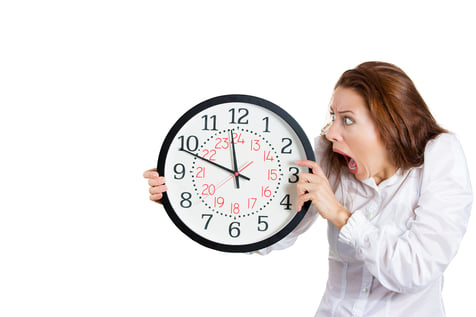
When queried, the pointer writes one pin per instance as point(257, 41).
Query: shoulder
point(444, 148)
point(441, 142)
point(445, 159)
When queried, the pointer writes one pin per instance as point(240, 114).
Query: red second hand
point(235, 175)
point(238, 173)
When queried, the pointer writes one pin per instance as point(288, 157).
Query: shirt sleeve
point(410, 261)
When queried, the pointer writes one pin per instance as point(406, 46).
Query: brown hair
point(401, 116)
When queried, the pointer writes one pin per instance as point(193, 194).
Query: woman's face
point(354, 135)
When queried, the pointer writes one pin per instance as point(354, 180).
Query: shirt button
point(365, 290)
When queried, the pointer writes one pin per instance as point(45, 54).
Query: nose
point(333, 132)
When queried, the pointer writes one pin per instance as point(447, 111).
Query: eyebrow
point(341, 112)
point(345, 111)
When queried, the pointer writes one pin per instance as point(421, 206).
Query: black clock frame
point(171, 136)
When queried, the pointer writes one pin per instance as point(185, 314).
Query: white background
point(88, 91)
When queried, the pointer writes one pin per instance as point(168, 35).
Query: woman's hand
point(316, 188)
point(156, 183)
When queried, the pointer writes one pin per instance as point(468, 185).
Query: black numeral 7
point(209, 216)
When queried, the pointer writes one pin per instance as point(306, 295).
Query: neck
point(384, 174)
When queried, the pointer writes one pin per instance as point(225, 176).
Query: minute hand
point(235, 164)
point(217, 165)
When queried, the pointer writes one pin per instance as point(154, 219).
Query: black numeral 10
point(190, 143)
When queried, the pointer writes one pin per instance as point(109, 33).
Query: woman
point(395, 189)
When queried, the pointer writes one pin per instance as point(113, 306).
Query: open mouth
point(351, 163)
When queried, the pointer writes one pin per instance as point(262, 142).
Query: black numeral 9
point(179, 170)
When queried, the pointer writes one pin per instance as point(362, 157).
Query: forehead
point(347, 99)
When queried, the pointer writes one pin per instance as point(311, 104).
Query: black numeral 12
point(241, 120)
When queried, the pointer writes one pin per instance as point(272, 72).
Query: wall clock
point(230, 168)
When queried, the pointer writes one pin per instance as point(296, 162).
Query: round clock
point(231, 172)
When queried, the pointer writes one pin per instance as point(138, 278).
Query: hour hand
point(237, 174)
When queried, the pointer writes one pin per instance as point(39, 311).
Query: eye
point(348, 121)
point(333, 116)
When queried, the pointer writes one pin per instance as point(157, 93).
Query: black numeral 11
point(212, 120)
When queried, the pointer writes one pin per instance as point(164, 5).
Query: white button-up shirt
point(389, 259)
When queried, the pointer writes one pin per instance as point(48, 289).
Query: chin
point(361, 176)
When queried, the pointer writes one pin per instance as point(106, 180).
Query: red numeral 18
point(235, 208)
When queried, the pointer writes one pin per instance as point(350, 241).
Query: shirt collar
point(394, 179)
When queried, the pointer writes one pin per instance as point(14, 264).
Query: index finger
point(316, 169)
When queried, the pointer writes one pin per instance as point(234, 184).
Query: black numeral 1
point(266, 124)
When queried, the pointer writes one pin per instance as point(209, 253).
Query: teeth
point(352, 164)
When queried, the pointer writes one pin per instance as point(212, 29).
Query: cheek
point(366, 151)
point(367, 140)
point(360, 144)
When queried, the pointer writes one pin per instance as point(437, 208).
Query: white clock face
point(231, 172)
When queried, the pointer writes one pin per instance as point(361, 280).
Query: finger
point(308, 178)
point(303, 187)
point(152, 173)
point(302, 200)
point(316, 169)
point(157, 189)
point(156, 198)
point(156, 181)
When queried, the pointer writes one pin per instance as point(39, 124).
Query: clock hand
point(230, 177)
point(235, 164)
point(217, 165)
point(226, 180)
